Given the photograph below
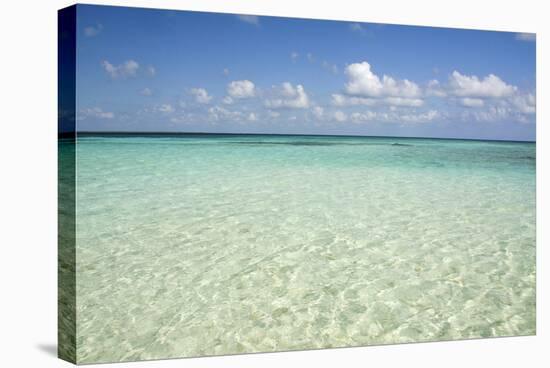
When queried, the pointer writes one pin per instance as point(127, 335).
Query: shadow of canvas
point(50, 349)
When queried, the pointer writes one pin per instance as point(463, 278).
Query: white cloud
point(227, 100)
point(434, 89)
point(492, 98)
point(241, 89)
point(166, 108)
point(419, 118)
point(179, 119)
point(356, 27)
point(252, 117)
point(358, 117)
point(363, 82)
point(530, 37)
point(490, 86)
point(125, 70)
point(340, 116)
point(401, 101)
point(318, 112)
point(225, 71)
point(526, 103)
point(492, 113)
point(342, 100)
point(330, 67)
point(472, 102)
point(182, 117)
point(151, 71)
point(273, 114)
point(252, 19)
point(288, 96)
point(333, 68)
point(516, 108)
point(92, 31)
point(146, 92)
point(393, 117)
point(201, 95)
point(218, 113)
point(95, 112)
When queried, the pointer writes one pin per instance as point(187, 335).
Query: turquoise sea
point(192, 245)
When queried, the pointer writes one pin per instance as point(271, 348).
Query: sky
point(163, 70)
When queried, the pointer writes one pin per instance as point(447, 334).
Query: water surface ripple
point(190, 246)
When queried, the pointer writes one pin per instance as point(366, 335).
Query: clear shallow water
point(205, 245)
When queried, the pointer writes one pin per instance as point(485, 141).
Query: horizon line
point(122, 132)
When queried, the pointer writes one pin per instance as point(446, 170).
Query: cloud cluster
point(318, 112)
point(435, 89)
point(92, 31)
point(395, 117)
point(166, 108)
point(288, 96)
point(95, 112)
point(251, 19)
point(401, 101)
point(490, 86)
point(333, 68)
point(241, 89)
point(340, 116)
point(364, 96)
point(326, 65)
point(494, 113)
point(221, 114)
point(488, 98)
point(125, 70)
point(201, 95)
point(356, 27)
point(525, 103)
point(146, 92)
point(363, 82)
point(472, 102)
point(338, 99)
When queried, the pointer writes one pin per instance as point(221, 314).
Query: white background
point(28, 123)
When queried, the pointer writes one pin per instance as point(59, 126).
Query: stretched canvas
point(240, 184)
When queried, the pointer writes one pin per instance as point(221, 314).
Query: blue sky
point(161, 70)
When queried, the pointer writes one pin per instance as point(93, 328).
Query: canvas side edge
point(66, 299)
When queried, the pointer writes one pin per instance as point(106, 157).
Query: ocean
point(198, 244)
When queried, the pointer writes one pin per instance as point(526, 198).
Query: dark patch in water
point(527, 157)
point(299, 143)
point(402, 144)
point(305, 143)
point(286, 143)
